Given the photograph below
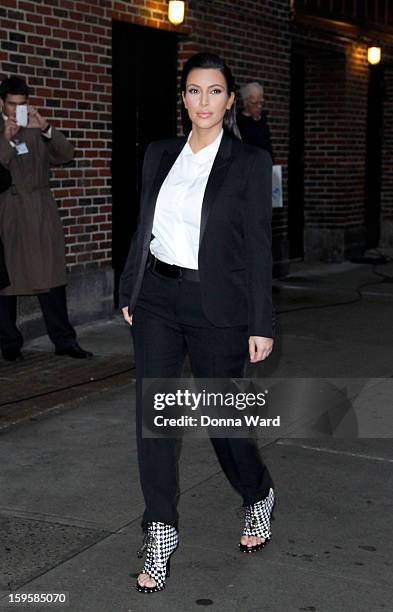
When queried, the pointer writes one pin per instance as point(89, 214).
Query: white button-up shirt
point(177, 218)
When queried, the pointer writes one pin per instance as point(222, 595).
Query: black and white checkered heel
point(160, 541)
point(257, 522)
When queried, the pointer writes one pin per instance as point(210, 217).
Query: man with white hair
point(252, 120)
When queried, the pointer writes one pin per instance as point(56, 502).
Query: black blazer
point(235, 263)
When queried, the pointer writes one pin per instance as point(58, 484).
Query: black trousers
point(168, 323)
point(54, 310)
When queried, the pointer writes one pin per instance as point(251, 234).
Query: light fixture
point(374, 55)
point(176, 11)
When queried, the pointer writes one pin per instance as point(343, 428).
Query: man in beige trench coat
point(30, 226)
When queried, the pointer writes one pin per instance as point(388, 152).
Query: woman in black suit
point(198, 280)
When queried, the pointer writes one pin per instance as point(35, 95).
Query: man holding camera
point(30, 226)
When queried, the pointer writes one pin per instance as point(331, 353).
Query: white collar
point(207, 153)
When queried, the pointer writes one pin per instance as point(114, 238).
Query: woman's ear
point(184, 99)
point(231, 100)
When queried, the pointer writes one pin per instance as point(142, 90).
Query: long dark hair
point(210, 60)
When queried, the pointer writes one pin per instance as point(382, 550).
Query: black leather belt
point(173, 271)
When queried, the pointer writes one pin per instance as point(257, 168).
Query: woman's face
point(206, 97)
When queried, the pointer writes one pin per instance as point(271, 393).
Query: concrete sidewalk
point(71, 506)
point(44, 382)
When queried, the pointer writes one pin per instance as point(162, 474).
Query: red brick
point(254, 37)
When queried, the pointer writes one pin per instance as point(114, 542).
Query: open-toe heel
point(159, 543)
point(257, 522)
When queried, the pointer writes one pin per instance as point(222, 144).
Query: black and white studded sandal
point(160, 541)
point(257, 522)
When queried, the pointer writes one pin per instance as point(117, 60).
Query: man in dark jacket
point(252, 120)
point(30, 226)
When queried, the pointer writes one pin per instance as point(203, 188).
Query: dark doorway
point(144, 81)
point(296, 159)
point(372, 199)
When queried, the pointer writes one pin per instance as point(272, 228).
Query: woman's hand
point(259, 348)
point(127, 317)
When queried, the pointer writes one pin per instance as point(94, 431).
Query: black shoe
point(74, 351)
point(12, 354)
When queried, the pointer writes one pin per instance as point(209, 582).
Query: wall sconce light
point(176, 11)
point(374, 55)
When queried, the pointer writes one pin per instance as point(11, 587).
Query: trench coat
point(30, 224)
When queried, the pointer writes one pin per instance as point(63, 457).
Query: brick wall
point(63, 49)
point(387, 162)
point(336, 104)
point(353, 166)
point(336, 87)
point(324, 119)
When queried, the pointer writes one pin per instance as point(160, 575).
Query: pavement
point(70, 503)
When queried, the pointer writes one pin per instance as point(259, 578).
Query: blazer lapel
point(216, 178)
point(166, 162)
